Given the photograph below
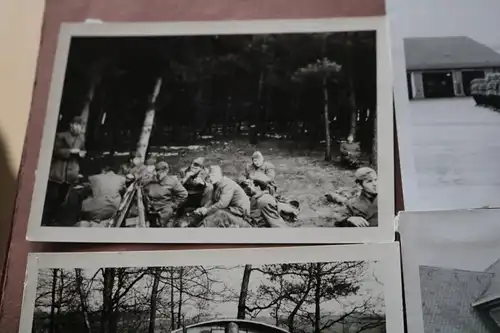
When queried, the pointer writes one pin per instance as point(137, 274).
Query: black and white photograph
point(216, 130)
point(447, 96)
point(292, 296)
point(451, 266)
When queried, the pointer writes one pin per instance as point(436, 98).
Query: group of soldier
point(202, 196)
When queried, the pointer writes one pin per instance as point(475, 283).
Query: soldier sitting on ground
point(363, 210)
point(229, 205)
point(350, 152)
point(195, 179)
point(107, 188)
point(264, 211)
point(261, 172)
point(165, 195)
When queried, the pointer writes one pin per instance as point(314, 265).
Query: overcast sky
point(462, 239)
point(232, 276)
point(477, 19)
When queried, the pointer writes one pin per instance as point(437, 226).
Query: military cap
point(364, 173)
point(257, 154)
point(77, 120)
point(199, 160)
point(161, 166)
point(151, 161)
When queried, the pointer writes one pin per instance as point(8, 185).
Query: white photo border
point(386, 254)
point(385, 145)
point(421, 230)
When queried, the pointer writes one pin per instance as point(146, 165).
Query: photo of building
point(467, 301)
point(445, 66)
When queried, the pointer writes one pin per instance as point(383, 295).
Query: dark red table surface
point(12, 234)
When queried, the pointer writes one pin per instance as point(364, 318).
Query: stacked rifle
point(134, 192)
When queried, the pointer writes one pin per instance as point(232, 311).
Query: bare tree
point(242, 307)
point(83, 299)
point(154, 299)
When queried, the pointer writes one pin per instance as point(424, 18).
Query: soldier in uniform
point(64, 169)
point(363, 210)
point(165, 194)
point(107, 188)
point(229, 205)
point(148, 174)
point(260, 172)
point(264, 209)
point(195, 180)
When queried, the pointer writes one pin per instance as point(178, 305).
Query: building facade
point(445, 66)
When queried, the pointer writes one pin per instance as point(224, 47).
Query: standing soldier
point(64, 169)
point(363, 210)
point(229, 205)
point(261, 172)
point(195, 180)
point(165, 194)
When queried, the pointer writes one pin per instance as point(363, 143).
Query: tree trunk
point(349, 36)
point(84, 115)
point(52, 322)
point(107, 297)
point(172, 299)
point(317, 299)
point(328, 145)
point(305, 295)
point(374, 144)
point(153, 300)
point(181, 291)
point(60, 292)
point(147, 126)
point(83, 299)
point(258, 126)
point(242, 303)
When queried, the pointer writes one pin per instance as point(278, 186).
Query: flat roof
point(453, 52)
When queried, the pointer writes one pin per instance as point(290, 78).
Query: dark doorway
point(410, 87)
point(438, 84)
point(467, 77)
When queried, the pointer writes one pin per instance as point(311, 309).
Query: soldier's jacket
point(265, 173)
point(106, 197)
point(229, 195)
point(65, 167)
point(107, 184)
point(190, 185)
point(166, 193)
point(362, 206)
point(264, 211)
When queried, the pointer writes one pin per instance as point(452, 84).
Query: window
point(495, 314)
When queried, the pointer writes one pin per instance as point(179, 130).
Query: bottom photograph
point(452, 275)
point(278, 290)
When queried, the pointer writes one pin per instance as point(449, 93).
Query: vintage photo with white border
point(447, 136)
point(287, 289)
point(451, 270)
point(187, 132)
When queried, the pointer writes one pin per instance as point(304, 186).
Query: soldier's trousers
point(224, 219)
point(166, 214)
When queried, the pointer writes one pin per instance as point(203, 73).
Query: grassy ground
point(301, 175)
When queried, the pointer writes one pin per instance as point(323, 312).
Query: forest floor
point(301, 174)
